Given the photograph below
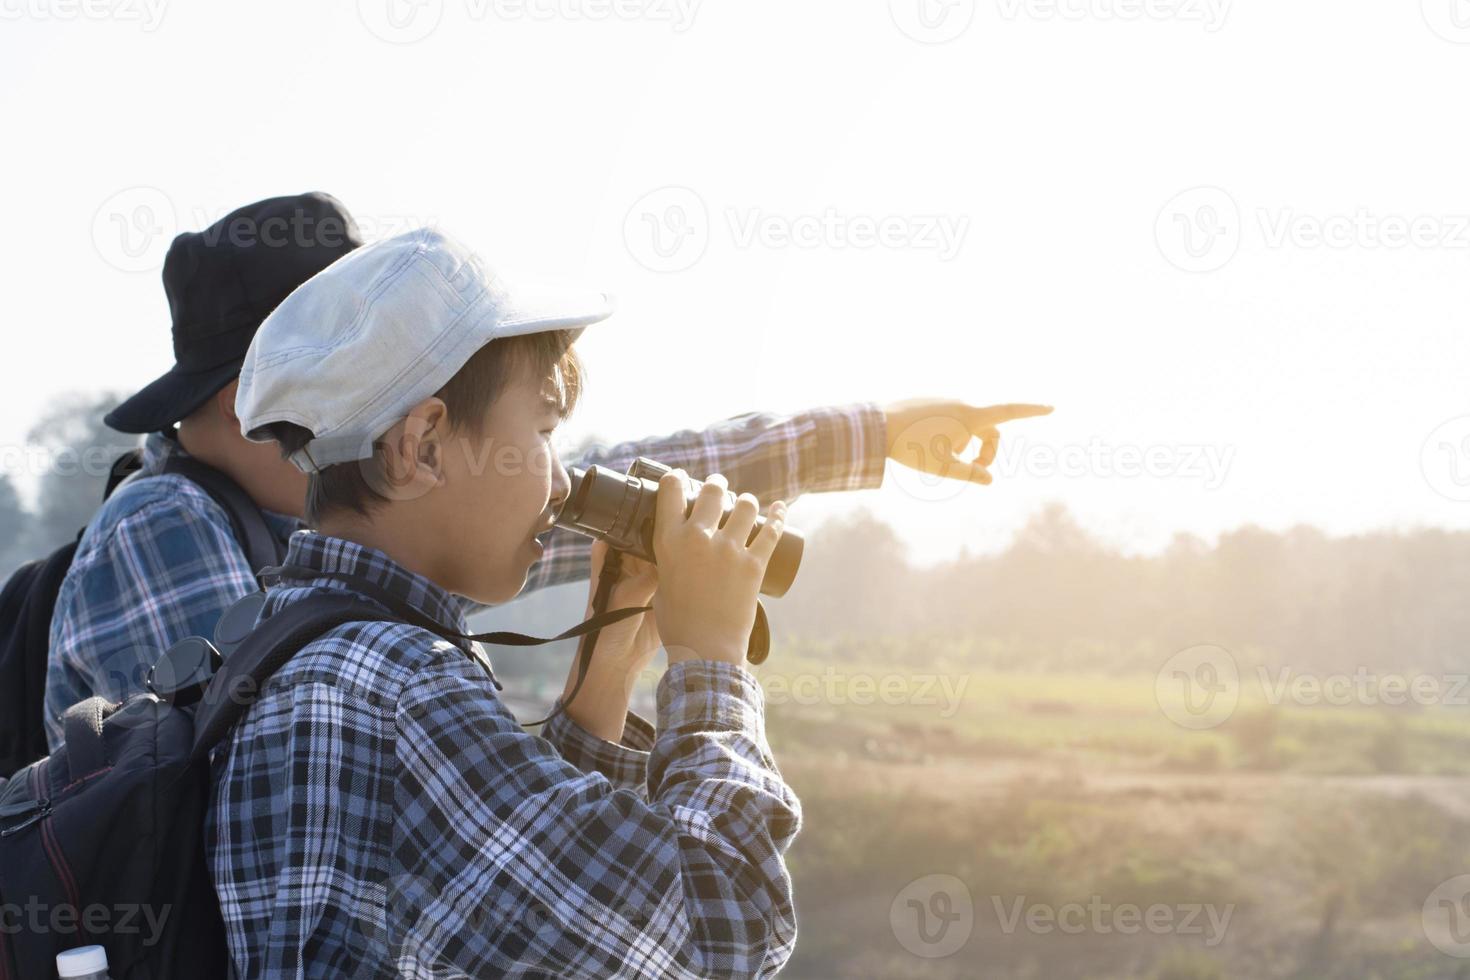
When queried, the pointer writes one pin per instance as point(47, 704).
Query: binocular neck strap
point(402, 610)
point(757, 649)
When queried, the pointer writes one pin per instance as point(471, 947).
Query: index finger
point(995, 414)
point(670, 510)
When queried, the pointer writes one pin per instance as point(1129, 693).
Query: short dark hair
point(468, 396)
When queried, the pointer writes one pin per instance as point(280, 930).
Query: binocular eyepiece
point(619, 508)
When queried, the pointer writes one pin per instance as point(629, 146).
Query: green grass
point(1117, 720)
point(1323, 828)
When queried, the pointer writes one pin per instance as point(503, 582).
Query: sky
point(1229, 241)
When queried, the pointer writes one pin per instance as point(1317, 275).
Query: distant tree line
point(1056, 597)
point(67, 452)
point(1053, 598)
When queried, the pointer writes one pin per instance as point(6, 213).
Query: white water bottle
point(82, 963)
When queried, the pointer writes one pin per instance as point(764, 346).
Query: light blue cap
point(357, 345)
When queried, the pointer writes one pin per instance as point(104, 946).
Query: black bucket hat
point(222, 282)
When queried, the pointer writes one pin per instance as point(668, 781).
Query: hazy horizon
point(1123, 249)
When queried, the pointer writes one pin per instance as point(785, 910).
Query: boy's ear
point(224, 399)
point(410, 455)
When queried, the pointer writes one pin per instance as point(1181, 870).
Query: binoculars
point(619, 508)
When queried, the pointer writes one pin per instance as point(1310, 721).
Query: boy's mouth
point(543, 529)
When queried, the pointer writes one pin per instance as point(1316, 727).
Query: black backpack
point(104, 839)
point(29, 599)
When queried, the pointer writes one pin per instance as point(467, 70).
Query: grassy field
point(1095, 837)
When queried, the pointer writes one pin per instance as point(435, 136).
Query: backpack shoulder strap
point(123, 467)
point(276, 639)
point(82, 728)
point(255, 537)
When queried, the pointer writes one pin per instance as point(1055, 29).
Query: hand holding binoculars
point(619, 508)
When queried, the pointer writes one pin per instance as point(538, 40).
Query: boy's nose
point(561, 484)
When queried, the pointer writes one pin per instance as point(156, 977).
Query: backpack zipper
point(42, 808)
point(52, 845)
point(62, 869)
point(39, 807)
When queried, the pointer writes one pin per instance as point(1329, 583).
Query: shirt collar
point(324, 553)
point(158, 447)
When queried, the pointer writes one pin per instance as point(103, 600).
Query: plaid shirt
point(379, 812)
point(159, 561)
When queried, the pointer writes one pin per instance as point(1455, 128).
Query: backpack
point(104, 838)
point(28, 601)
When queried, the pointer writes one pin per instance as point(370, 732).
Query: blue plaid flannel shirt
point(379, 812)
point(159, 562)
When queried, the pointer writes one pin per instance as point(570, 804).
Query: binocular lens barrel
point(620, 508)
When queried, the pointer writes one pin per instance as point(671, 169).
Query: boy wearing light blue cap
point(379, 809)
